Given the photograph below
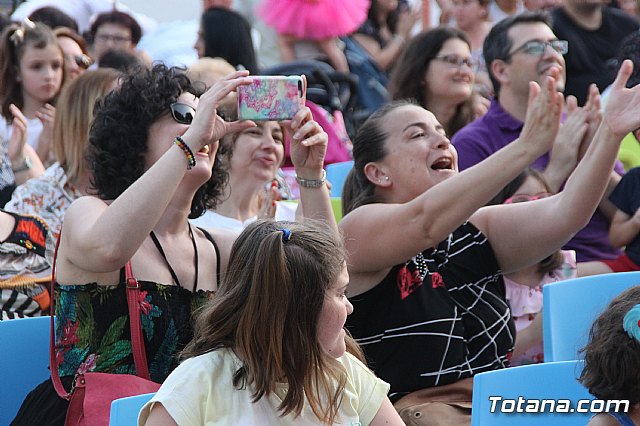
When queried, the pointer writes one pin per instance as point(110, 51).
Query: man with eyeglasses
point(594, 33)
point(518, 50)
point(114, 30)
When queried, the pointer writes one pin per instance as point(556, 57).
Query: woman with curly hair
point(436, 70)
point(153, 159)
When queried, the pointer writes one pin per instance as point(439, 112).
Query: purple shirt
point(495, 130)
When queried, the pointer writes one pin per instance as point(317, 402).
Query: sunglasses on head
point(83, 61)
point(182, 113)
point(521, 198)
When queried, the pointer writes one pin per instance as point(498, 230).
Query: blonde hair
point(74, 115)
point(209, 70)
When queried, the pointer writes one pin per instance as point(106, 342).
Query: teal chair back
point(24, 357)
point(337, 174)
point(124, 411)
point(570, 307)
point(552, 380)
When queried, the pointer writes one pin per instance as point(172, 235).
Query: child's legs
point(336, 56)
point(286, 45)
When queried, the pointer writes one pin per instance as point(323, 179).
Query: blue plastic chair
point(336, 174)
point(570, 307)
point(124, 411)
point(551, 380)
point(24, 357)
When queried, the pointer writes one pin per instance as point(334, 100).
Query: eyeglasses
point(182, 113)
point(83, 61)
point(116, 39)
point(521, 198)
point(455, 61)
point(537, 47)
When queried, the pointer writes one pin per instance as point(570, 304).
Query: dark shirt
point(626, 197)
point(592, 56)
point(437, 318)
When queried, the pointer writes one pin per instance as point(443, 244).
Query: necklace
point(164, 256)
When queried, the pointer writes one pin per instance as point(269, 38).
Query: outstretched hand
point(308, 142)
point(542, 121)
point(623, 105)
point(207, 126)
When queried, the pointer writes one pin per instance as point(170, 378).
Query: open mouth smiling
point(442, 163)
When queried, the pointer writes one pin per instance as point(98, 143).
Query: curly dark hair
point(118, 140)
point(612, 357)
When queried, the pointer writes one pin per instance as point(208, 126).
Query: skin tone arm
point(159, 416)
point(624, 228)
point(89, 222)
point(552, 221)
point(308, 148)
point(386, 415)
point(373, 245)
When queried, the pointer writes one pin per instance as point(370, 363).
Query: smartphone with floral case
point(271, 98)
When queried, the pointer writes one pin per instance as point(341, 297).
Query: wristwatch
point(26, 165)
point(312, 183)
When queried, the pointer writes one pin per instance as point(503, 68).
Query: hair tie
point(286, 234)
point(631, 322)
point(18, 34)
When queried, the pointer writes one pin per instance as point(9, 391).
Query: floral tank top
point(93, 332)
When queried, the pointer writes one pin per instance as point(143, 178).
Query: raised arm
point(101, 237)
point(308, 149)
point(523, 234)
point(379, 236)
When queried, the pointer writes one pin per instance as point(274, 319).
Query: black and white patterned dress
point(437, 318)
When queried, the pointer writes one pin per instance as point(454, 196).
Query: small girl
point(31, 75)
point(524, 287)
point(612, 359)
point(320, 21)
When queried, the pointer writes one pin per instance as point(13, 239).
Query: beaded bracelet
point(191, 159)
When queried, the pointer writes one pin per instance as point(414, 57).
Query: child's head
point(283, 296)
point(612, 355)
point(31, 65)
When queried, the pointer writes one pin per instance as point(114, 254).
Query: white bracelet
point(312, 183)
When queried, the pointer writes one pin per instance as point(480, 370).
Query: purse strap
point(137, 342)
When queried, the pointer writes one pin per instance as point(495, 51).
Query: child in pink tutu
point(320, 21)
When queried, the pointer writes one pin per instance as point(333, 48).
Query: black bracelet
point(191, 159)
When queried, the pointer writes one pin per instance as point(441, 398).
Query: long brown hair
point(267, 309)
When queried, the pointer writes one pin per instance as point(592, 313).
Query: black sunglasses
point(182, 113)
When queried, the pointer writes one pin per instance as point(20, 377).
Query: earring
point(387, 178)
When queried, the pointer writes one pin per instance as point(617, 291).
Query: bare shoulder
point(224, 238)
point(603, 419)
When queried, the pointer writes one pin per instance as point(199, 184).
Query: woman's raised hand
point(308, 143)
point(542, 121)
point(622, 114)
point(207, 127)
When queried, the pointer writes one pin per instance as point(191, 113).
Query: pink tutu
point(314, 19)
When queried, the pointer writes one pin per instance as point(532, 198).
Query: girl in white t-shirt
point(271, 347)
point(31, 75)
